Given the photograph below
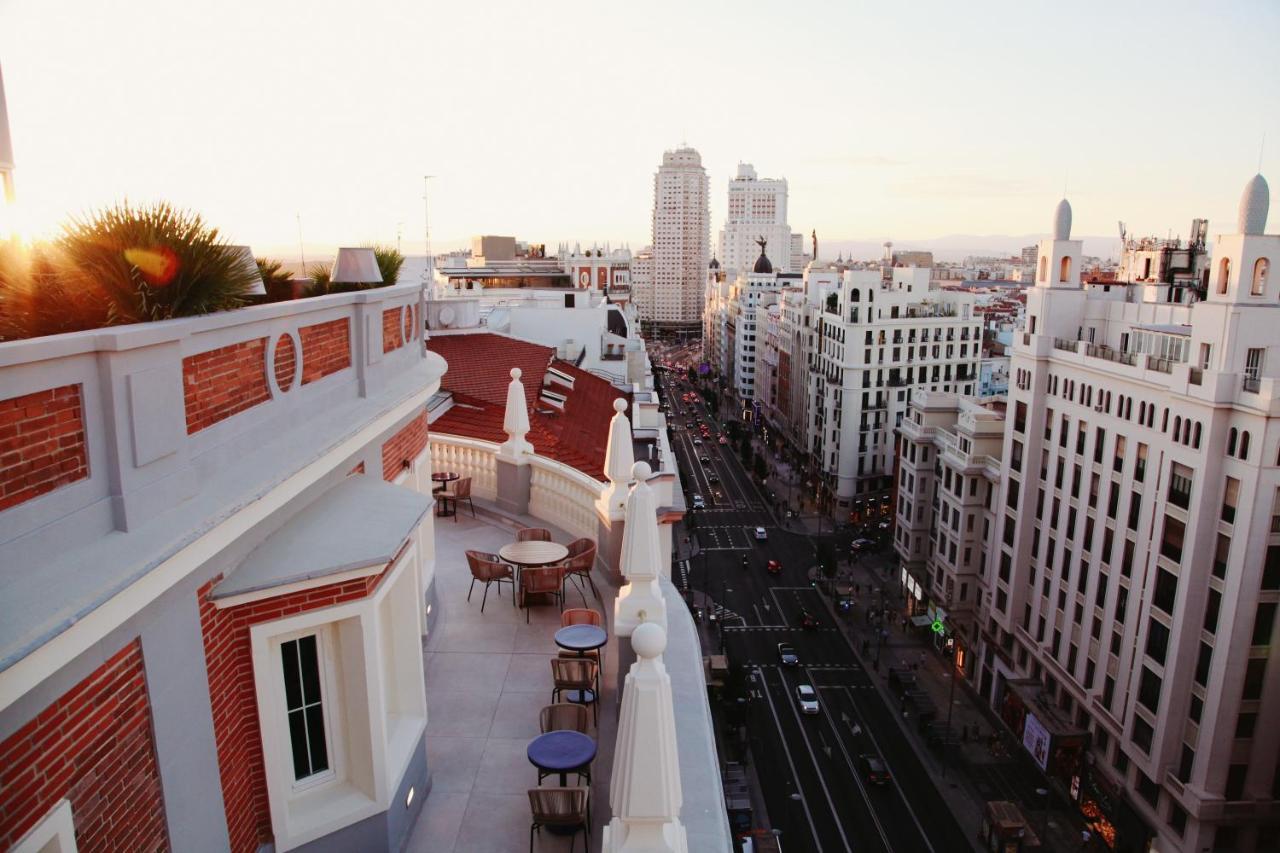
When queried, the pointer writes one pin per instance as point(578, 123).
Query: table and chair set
point(565, 746)
point(535, 566)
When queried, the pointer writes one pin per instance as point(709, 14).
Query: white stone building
point(757, 209)
point(1133, 574)
point(681, 242)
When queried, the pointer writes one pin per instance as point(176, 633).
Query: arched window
point(1186, 431)
point(1231, 442)
point(855, 295)
point(1064, 271)
point(1224, 273)
point(1142, 411)
point(1260, 270)
point(1244, 445)
point(1044, 267)
point(1195, 436)
point(1177, 427)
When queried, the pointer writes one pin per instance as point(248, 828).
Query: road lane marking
point(804, 801)
point(893, 777)
point(822, 781)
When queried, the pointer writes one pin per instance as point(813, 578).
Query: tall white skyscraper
point(681, 242)
point(757, 208)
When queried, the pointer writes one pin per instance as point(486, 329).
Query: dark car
point(705, 460)
point(808, 621)
point(688, 425)
point(713, 478)
point(773, 567)
point(874, 771)
point(787, 655)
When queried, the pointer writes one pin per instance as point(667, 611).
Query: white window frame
point(363, 777)
point(55, 833)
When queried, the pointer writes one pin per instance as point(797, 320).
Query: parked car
point(874, 770)
point(699, 502)
point(861, 545)
point(723, 440)
point(788, 655)
point(808, 621)
point(697, 442)
point(807, 698)
point(773, 567)
point(761, 534)
point(688, 425)
point(705, 460)
point(713, 477)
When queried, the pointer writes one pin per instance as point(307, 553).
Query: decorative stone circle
point(408, 323)
point(285, 362)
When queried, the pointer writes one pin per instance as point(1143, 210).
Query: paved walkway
point(979, 767)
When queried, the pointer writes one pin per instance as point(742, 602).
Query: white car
point(761, 533)
point(808, 699)
point(698, 502)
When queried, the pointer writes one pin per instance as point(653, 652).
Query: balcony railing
point(1195, 376)
point(1065, 344)
point(1110, 354)
point(1251, 384)
point(1162, 365)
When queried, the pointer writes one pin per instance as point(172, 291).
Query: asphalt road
point(810, 766)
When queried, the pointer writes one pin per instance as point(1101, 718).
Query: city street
point(812, 767)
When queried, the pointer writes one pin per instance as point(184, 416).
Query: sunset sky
point(546, 120)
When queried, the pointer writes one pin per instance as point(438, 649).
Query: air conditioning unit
point(1097, 407)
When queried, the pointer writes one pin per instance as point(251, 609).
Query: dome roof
point(1253, 206)
point(762, 263)
point(1062, 221)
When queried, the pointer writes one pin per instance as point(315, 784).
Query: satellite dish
point(446, 316)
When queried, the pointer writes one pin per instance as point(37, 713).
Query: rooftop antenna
point(301, 251)
point(426, 230)
point(1262, 146)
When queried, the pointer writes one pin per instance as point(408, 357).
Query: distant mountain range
point(956, 247)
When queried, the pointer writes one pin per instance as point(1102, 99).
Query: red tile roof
point(479, 371)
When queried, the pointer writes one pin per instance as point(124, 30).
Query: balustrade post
point(512, 462)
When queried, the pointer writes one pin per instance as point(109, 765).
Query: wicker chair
point(543, 580)
point(578, 674)
point(533, 534)
point(489, 569)
point(564, 807)
point(564, 717)
point(577, 566)
point(581, 616)
point(460, 492)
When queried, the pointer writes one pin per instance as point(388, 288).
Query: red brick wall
point(286, 362)
point(42, 444)
point(229, 663)
point(410, 441)
point(93, 746)
point(225, 381)
point(392, 329)
point(326, 348)
point(359, 469)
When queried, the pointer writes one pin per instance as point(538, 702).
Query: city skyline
point(937, 160)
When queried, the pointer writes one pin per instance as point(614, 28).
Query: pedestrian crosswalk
point(779, 628)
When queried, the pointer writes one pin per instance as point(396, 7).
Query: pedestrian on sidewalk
point(1085, 838)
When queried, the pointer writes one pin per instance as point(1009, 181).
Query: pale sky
point(546, 120)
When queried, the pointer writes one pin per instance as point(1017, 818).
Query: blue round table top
point(581, 638)
point(563, 750)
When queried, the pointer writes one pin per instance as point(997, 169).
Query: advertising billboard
point(1036, 740)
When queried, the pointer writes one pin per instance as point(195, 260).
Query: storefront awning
point(920, 620)
point(359, 523)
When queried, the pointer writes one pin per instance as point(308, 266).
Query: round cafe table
point(561, 752)
point(532, 554)
point(442, 506)
point(581, 638)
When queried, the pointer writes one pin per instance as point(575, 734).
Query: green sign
point(937, 626)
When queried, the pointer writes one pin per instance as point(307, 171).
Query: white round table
point(533, 553)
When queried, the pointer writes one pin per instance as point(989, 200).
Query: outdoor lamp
point(355, 266)
point(244, 256)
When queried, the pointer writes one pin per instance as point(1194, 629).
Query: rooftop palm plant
point(273, 273)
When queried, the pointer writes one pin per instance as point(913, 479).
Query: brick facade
point(392, 329)
point(225, 381)
point(326, 348)
point(93, 747)
point(42, 444)
point(286, 365)
point(229, 663)
point(408, 443)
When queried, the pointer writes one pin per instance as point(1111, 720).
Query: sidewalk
point(970, 772)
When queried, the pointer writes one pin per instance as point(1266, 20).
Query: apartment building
point(876, 342)
point(949, 470)
point(681, 242)
point(1133, 574)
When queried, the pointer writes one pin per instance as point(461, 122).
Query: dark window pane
point(292, 680)
point(315, 736)
point(1266, 616)
point(1166, 590)
point(1157, 641)
point(310, 669)
point(298, 743)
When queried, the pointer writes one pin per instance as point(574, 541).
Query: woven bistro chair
point(489, 569)
point(577, 566)
point(581, 616)
point(541, 580)
point(563, 807)
point(578, 674)
point(533, 534)
point(564, 717)
point(460, 492)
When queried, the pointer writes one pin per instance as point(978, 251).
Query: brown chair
point(563, 807)
point(581, 616)
point(460, 492)
point(578, 565)
point(489, 569)
point(533, 534)
point(541, 580)
point(577, 674)
point(564, 717)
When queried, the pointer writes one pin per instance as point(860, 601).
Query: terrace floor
point(487, 676)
